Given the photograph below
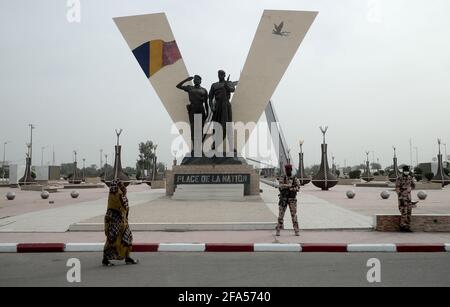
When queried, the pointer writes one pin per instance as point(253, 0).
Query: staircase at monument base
point(233, 192)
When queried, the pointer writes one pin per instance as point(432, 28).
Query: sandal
point(131, 261)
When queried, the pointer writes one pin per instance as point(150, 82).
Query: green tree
point(347, 170)
point(90, 171)
point(108, 169)
point(145, 158)
point(312, 170)
point(359, 167)
point(376, 166)
point(356, 174)
point(130, 171)
point(429, 176)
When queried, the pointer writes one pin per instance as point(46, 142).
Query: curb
point(230, 247)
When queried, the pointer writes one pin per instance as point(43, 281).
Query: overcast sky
point(376, 72)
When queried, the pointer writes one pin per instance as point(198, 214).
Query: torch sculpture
point(324, 179)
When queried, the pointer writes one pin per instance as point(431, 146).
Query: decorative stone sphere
point(385, 195)
point(74, 194)
point(45, 194)
point(10, 195)
point(422, 195)
point(350, 194)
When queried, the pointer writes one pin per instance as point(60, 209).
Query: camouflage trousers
point(282, 206)
point(405, 208)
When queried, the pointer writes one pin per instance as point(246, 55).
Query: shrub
point(418, 171)
point(429, 176)
point(376, 174)
point(355, 174)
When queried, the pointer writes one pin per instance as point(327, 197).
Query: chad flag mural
point(154, 55)
point(152, 43)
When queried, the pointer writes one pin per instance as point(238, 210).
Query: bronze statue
point(198, 98)
point(219, 100)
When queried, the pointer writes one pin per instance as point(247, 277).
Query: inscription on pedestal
point(212, 178)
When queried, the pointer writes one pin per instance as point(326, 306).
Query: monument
point(394, 175)
point(324, 179)
point(367, 175)
point(117, 170)
point(153, 45)
point(301, 167)
point(440, 176)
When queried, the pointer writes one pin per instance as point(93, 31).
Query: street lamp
point(445, 151)
point(106, 164)
point(42, 154)
point(417, 155)
point(4, 159)
point(31, 140)
point(84, 160)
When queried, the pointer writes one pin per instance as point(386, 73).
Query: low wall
point(158, 184)
point(419, 222)
point(428, 186)
point(347, 181)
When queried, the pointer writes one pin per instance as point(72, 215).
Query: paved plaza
point(324, 216)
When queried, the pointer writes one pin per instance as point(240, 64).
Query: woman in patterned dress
point(119, 238)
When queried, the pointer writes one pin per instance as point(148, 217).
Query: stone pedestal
point(213, 174)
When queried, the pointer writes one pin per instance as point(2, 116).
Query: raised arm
point(183, 87)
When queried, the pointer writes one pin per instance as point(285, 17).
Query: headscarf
point(114, 187)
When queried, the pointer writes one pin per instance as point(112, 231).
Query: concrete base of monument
point(212, 175)
point(166, 214)
point(233, 192)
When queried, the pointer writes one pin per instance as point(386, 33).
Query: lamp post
point(417, 155)
point(4, 159)
point(31, 140)
point(445, 151)
point(42, 154)
point(101, 158)
point(155, 169)
point(84, 160)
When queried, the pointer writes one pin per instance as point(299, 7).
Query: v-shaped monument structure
point(278, 36)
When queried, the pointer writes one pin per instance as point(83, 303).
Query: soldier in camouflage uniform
point(404, 185)
point(289, 187)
